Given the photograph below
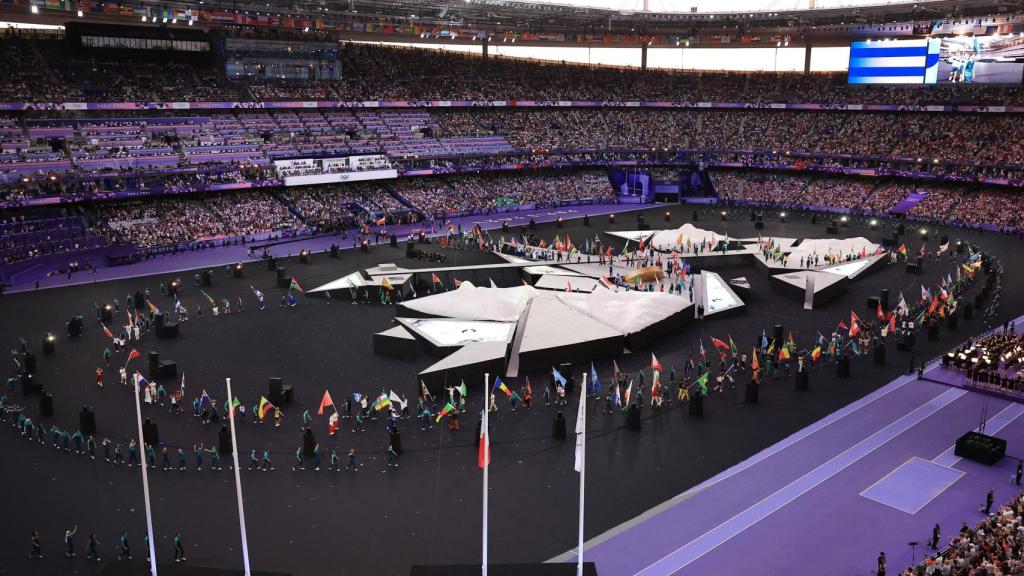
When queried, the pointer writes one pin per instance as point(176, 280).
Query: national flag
point(130, 321)
point(617, 397)
point(434, 279)
point(424, 393)
point(901, 306)
point(380, 221)
point(444, 411)
point(182, 389)
point(702, 384)
point(234, 405)
point(764, 339)
point(139, 381)
point(629, 392)
point(655, 365)
point(595, 383)
point(132, 355)
point(264, 407)
point(732, 345)
point(784, 353)
point(295, 285)
point(107, 331)
point(257, 293)
point(381, 402)
point(153, 308)
point(396, 399)
point(892, 324)
point(178, 308)
point(754, 364)
point(615, 369)
point(717, 343)
point(483, 458)
point(903, 249)
point(463, 391)
point(499, 385)
point(384, 284)
point(816, 353)
point(568, 286)
point(204, 400)
point(581, 428)
point(926, 294)
point(879, 313)
point(558, 376)
point(456, 282)
point(325, 402)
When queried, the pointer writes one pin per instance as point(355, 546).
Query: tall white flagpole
point(484, 437)
point(581, 431)
point(145, 483)
point(238, 481)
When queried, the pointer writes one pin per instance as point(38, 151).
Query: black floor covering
point(426, 511)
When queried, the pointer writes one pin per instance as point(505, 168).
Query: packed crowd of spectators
point(251, 212)
point(156, 222)
point(375, 72)
point(337, 203)
point(481, 193)
point(995, 547)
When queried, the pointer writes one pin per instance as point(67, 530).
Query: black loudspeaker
point(207, 278)
point(364, 246)
point(394, 241)
point(275, 391)
point(168, 368)
point(87, 421)
point(286, 394)
point(224, 440)
point(880, 355)
point(586, 220)
point(28, 385)
point(933, 332)
point(396, 440)
point(777, 334)
point(883, 298)
point(282, 273)
point(920, 264)
point(803, 379)
point(308, 443)
point(154, 362)
point(107, 313)
point(751, 393)
point(271, 264)
point(873, 303)
point(697, 404)
point(633, 421)
point(334, 251)
point(160, 319)
point(172, 289)
point(843, 367)
point(30, 363)
point(237, 271)
point(303, 257)
point(168, 330)
point(150, 433)
point(139, 301)
point(533, 224)
point(46, 405)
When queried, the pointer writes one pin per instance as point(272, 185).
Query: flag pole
point(486, 439)
point(583, 469)
point(238, 480)
point(145, 484)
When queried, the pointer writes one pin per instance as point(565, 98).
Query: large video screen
point(961, 59)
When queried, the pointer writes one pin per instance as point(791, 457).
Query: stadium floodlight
point(79, 13)
point(190, 22)
point(35, 9)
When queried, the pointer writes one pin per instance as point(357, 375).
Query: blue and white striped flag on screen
point(895, 61)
